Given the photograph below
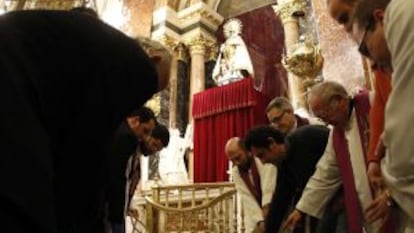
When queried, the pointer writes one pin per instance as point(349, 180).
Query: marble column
point(197, 81)
point(289, 12)
point(197, 46)
point(173, 93)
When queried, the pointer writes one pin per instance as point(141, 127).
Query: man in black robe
point(67, 80)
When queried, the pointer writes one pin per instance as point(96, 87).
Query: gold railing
point(202, 207)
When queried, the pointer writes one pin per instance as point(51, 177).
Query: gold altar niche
point(202, 207)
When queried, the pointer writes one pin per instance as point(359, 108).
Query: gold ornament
point(304, 59)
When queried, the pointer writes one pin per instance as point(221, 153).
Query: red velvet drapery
point(219, 114)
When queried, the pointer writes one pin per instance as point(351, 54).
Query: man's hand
point(261, 226)
point(265, 211)
point(380, 208)
point(374, 170)
point(380, 148)
point(132, 213)
point(293, 220)
point(374, 176)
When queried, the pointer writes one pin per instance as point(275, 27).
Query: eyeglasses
point(323, 113)
point(363, 48)
point(276, 120)
point(327, 110)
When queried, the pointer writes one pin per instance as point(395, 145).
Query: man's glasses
point(327, 111)
point(277, 119)
point(363, 48)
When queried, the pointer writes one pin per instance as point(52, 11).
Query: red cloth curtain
point(219, 114)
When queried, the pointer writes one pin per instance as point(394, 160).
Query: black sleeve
point(116, 192)
point(13, 222)
point(280, 202)
point(69, 80)
point(120, 151)
point(306, 146)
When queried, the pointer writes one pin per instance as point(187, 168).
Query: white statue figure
point(233, 62)
point(171, 167)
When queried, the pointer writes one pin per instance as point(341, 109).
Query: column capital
point(198, 45)
point(169, 41)
point(290, 10)
point(200, 24)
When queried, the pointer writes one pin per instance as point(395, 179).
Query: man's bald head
point(236, 151)
point(233, 144)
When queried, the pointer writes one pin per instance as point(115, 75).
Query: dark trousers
point(332, 222)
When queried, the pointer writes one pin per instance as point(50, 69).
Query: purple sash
point(352, 204)
point(255, 189)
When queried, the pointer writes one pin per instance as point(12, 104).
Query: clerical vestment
point(398, 164)
point(328, 178)
point(252, 210)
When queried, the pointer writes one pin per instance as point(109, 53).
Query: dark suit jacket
point(301, 121)
point(305, 147)
point(122, 148)
point(67, 80)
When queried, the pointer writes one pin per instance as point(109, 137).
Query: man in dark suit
point(131, 140)
point(122, 155)
point(295, 157)
point(67, 80)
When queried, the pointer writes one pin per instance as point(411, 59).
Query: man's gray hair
point(281, 103)
point(326, 90)
point(150, 46)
